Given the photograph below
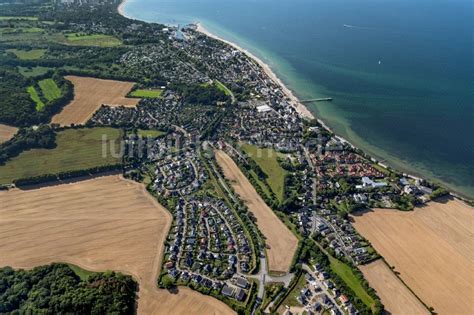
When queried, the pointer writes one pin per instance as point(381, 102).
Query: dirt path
point(281, 241)
point(105, 223)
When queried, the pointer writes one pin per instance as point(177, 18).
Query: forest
point(57, 289)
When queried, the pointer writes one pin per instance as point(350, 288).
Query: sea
point(400, 72)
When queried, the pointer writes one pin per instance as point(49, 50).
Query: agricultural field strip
point(281, 241)
point(429, 259)
point(6, 132)
point(396, 297)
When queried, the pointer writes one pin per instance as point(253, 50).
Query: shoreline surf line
point(307, 114)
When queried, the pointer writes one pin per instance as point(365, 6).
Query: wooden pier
point(324, 99)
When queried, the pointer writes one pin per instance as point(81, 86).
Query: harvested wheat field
point(105, 223)
point(6, 132)
point(281, 241)
point(395, 296)
point(89, 95)
point(431, 247)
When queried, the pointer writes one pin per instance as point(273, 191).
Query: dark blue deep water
point(400, 71)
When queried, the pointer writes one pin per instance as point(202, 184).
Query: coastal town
point(213, 102)
point(208, 247)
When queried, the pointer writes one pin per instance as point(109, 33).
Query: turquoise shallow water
point(400, 72)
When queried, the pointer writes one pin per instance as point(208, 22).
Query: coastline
point(121, 10)
point(303, 110)
point(294, 101)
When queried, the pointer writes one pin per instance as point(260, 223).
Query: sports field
point(76, 149)
point(89, 95)
point(395, 296)
point(431, 247)
point(146, 93)
point(105, 223)
point(280, 240)
point(6, 132)
point(266, 158)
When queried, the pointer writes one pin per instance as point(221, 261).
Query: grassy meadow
point(35, 97)
point(76, 149)
point(146, 93)
point(28, 72)
point(27, 54)
point(28, 18)
point(92, 40)
point(266, 159)
point(150, 133)
point(50, 90)
point(346, 274)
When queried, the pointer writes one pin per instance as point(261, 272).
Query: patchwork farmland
point(105, 223)
point(76, 149)
point(431, 247)
point(89, 95)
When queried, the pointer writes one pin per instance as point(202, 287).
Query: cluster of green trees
point(201, 94)
point(65, 175)
point(27, 138)
point(18, 109)
point(56, 289)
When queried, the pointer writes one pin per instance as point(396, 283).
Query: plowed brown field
point(6, 132)
point(395, 296)
point(105, 223)
point(89, 95)
point(432, 247)
point(281, 241)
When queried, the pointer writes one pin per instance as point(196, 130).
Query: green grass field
point(50, 90)
point(267, 160)
point(291, 299)
point(225, 89)
point(76, 149)
point(27, 54)
point(32, 72)
point(81, 273)
point(142, 93)
point(29, 18)
point(346, 274)
point(92, 40)
point(150, 133)
point(20, 30)
point(35, 97)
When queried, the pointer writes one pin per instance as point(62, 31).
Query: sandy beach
point(121, 11)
